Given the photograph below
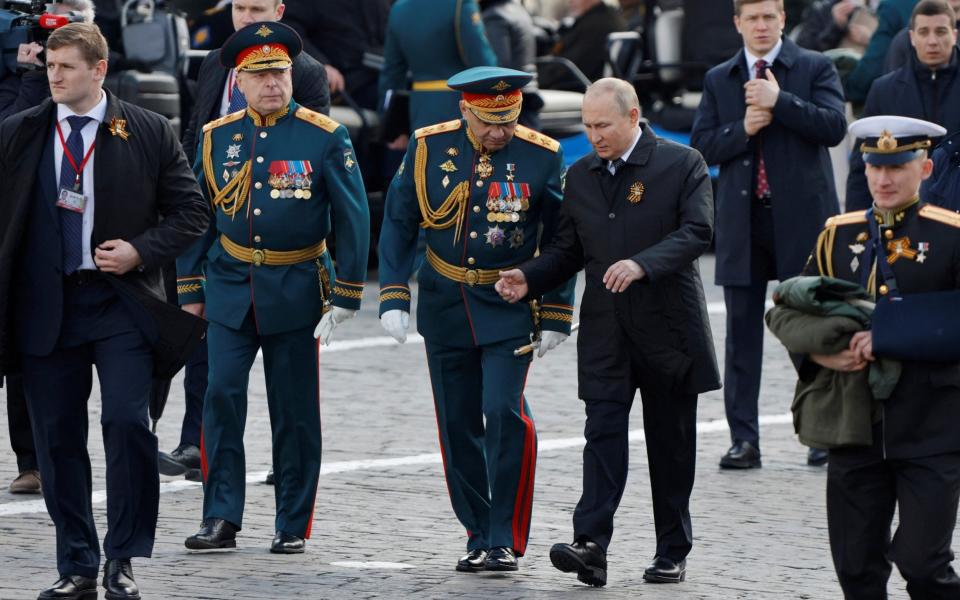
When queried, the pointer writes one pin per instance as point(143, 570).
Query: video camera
point(25, 21)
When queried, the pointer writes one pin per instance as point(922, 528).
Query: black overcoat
point(658, 212)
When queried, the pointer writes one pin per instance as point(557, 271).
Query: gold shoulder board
point(319, 119)
point(438, 128)
point(942, 215)
point(850, 218)
point(234, 116)
point(535, 137)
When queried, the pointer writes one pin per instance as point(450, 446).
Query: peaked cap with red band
point(261, 46)
point(491, 93)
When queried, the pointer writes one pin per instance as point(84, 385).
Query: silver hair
point(623, 93)
point(82, 7)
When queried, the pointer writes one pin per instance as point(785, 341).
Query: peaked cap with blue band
point(261, 46)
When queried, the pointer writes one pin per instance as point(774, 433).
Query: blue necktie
point(237, 99)
point(71, 223)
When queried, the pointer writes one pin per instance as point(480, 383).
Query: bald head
point(611, 116)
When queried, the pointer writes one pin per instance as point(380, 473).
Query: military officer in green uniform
point(481, 187)
point(431, 40)
point(906, 253)
point(274, 174)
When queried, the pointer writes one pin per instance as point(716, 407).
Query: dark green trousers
point(490, 469)
point(291, 366)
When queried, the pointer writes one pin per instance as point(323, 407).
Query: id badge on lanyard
point(72, 198)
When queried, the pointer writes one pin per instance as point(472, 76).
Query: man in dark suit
point(80, 286)
point(926, 88)
point(637, 213)
point(767, 117)
point(218, 95)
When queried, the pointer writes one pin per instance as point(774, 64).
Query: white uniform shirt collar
point(97, 113)
point(629, 151)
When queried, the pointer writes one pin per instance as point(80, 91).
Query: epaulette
point(319, 119)
point(438, 128)
point(850, 218)
point(234, 116)
point(535, 137)
point(939, 214)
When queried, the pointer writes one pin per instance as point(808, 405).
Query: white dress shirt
point(626, 155)
point(89, 133)
point(769, 57)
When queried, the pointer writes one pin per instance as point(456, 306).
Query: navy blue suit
point(756, 240)
point(57, 327)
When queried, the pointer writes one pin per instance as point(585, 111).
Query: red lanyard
point(73, 163)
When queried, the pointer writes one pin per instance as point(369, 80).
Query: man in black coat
point(97, 197)
point(637, 214)
point(927, 87)
point(216, 96)
point(338, 33)
point(767, 118)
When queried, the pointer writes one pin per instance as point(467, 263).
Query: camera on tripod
point(25, 21)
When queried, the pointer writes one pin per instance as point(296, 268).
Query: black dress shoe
point(284, 543)
point(817, 457)
point(583, 556)
point(71, 587)
point(741, 455)
point(215, 534)
point(665, 570)
point(118, 580)
point(501, 559)
point(269, 479)
point(472, 561)
point(185, 460)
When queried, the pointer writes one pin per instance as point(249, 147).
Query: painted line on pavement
point(346, 466)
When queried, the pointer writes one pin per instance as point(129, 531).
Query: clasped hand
point(856, 357)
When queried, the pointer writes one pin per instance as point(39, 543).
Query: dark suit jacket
point(910, 91)
point(145, 193)
point(807, 119)
point(585, 43)
point(663, 315)
point(309, 89)
point(20, 92)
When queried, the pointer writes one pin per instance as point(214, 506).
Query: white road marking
point(346, 466)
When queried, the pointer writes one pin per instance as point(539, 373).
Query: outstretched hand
point(512, 285)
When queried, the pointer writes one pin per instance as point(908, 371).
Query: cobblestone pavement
point(384, 527)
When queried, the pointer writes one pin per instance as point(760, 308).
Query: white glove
point(395, 322)
point(329, 322)
point(550, 340)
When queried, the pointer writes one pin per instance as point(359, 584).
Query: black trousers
point(744, 342)
point(18, 420)
point(862, 491)
point(669, 422)
point(97, 331)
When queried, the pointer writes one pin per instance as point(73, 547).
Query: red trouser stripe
point(203, 456)
point(313, 506)
point(522, 508)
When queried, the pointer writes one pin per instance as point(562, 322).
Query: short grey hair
point(623, 93)
point(82, 7)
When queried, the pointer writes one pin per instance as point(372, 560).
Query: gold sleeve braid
point(452, 211)
point(233, 195)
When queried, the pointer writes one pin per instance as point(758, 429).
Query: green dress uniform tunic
point(482, 213)
point(265, 275)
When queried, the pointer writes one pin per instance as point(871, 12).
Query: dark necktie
point(763, 186)
point(237, 99)
point(71, 223)
point(616, 164)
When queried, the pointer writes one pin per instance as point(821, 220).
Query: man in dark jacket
point(584, 43)
point(637, 214)
point(901, 248)
point(926, 88)
point(217, 95)
point(337, 33)
point(81, 286)
point(767, 117)
point(901, 49)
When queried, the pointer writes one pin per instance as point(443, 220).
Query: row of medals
point(501, 210)
point(290, 187)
